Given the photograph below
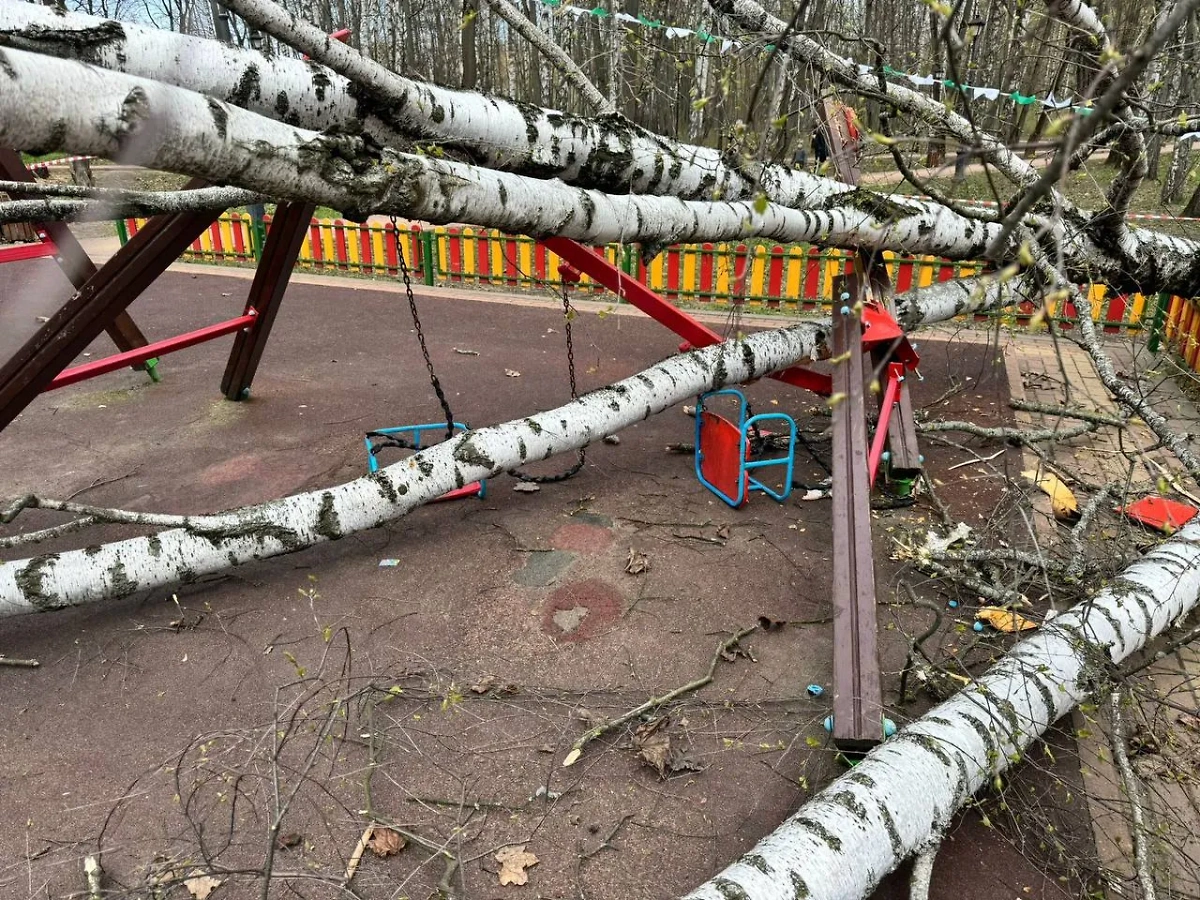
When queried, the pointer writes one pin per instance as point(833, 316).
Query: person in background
point(820, 147)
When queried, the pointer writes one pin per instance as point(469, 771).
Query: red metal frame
point(158, 348)
point(891, 394)
point(694, 332)
point(18, 252)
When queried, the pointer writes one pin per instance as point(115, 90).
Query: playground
point(479, 638)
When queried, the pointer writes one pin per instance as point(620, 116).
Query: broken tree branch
point(1133, 791)
point(603, 728)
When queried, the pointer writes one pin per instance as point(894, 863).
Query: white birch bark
point(213, 543)
point(114, 115)
point(608, 153)
point(842, 842)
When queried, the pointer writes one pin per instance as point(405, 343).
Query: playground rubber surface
point(157, 724)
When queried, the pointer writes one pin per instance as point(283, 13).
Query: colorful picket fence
point(789, 278)
point(1181, 330)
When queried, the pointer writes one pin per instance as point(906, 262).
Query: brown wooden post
point(284, 240)
point(94, 306)
point(71, 258)
point(857, 696)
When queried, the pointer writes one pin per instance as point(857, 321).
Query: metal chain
point(412, 307)
point(580, 459)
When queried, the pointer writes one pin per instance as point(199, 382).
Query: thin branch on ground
point(1066, 412)
point(654, 702)
point(1013, 436)
point(1129, 781)
point(1075, 568)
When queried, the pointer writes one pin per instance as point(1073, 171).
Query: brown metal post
point(71, 258)
point(857, 696)
point(81, 319)
point(284, 241)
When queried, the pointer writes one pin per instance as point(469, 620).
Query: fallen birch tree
point(206, 544)
point(840, 844)
point(607, 154)
point(200, 545)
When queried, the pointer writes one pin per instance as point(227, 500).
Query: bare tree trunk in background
point(1032, 78)
point(696, 129)
point(1193, 207)
point(1043, 118)
point(470, 65)
point(81, 173)
point(1173, 184)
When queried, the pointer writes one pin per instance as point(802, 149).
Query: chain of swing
point(435, 383)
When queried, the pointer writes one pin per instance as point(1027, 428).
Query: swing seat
point(723, 463)
point(414, 434)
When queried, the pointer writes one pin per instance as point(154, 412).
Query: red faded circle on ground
point(582, 538)
point(581, 610)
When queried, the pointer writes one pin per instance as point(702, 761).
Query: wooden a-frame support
point(72, 259)
point(104, 294)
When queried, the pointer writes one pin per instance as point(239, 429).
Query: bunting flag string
point(973, 92)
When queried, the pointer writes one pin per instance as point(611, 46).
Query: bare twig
point(1011, 435)
point(1141, 853)
point(19, 663)
point(654, 702)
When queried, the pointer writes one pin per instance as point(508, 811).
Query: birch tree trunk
point(609, 154)
point(840, 844)
point(212, 543)
point(149, 123)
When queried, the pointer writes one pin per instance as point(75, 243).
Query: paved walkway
point(1164, 726)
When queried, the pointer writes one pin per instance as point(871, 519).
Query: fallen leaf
point(512, 373)
point(637, 563)
point(526, 487)
point(612, 439)
point(200, 886)
point(571, 758)
point(466, 352)
point(1062, 501)
point(655, 748)
point(484, 684)
point(513, 863)
point(723, 532)
point(937, 544)
point(1004, 619)
point(289, 840)
point(385, 842)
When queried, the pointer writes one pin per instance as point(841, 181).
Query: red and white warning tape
point(62, 161)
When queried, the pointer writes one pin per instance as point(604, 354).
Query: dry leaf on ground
point(637, 563)
point(200, 886)
point(1062, 501)
point(655, 748)
point(484, 684)
point(385, 842)
point(1004, 619)
point(512, 373)
point(513, 863)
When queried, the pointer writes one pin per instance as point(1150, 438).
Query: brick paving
point(1057, 373)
